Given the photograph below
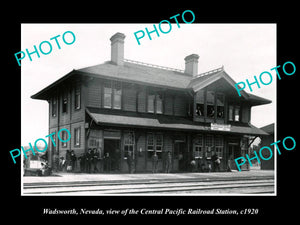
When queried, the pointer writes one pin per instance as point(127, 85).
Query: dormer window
point(200, 103)
point(220, 106)
point(234, 113)
point(210, 102)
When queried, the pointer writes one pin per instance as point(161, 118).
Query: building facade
point(124, 107)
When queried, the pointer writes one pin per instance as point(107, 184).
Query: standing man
point(88, 160)
point(96, 159)
point(168, 162)
point(215, 162)
point(73, 160)
point(154, 162)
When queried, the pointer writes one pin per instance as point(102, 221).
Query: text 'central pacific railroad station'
point(123, 108)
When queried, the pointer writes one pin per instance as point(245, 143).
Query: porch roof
point(168, 123)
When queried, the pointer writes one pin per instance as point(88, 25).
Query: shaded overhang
point(162, 122)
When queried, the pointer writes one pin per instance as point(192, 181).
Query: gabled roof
point(205, 79)
point(152, 75)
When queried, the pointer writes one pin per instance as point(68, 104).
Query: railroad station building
point(123, 106)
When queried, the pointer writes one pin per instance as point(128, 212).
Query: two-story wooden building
point(123, 105)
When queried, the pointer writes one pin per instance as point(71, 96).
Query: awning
point(167, 123)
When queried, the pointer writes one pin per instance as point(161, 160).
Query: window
point(107, 94)
point(64, 103)
point(200, 103)
point(53, 147)
point(219, 146)
point(77, 136)
point(77, 98)
point(209, 145)
point(128, 143)
point(117, 92)
point(230, 113)
point(159, 143)
point(159, 103)
point(234, 113)
point(198, 147)
point(154, 102)
point(154, 143)
point(220, 106)
point(54, 107)
point(64, 137)
point(151, 98)
point(112, 95)
point(210, 101)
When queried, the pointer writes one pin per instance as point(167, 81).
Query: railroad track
point(154, 187)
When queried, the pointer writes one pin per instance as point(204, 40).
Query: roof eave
point(44, 93)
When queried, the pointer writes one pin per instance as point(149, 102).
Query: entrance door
point(234, 152)
point(180, 157)
point(112, 155)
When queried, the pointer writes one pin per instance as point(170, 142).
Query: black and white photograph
point(163, 117)
point(137, 113)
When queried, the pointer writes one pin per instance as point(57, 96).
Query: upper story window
point(65, 102)
point(54, 107)
point(210, 104)
point(112, 95)
point(159, 103)
point(107, 94)
point(200, 103)
point(154, 102)
point(234, 113)
point(151, 99)
point(117, 92)
point(220, 106)
point(77, 104)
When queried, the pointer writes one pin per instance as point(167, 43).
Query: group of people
point(167, 162)
point(94, 162)
point(67, 163)
point(206, 165)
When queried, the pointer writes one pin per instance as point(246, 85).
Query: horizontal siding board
point(180, 108)
point(142, 101)
point(93, 94)
point(129, 99)
point(168, 105)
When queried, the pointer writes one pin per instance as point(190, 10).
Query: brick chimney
point(191, 64)
point(117, 48)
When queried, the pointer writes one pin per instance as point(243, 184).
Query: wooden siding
point(93, 98)
point(129, 98)
point(245, 113)
point(142, 101)
point(168, 104)
point(180, 106)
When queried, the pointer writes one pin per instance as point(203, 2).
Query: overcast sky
point(245, 50)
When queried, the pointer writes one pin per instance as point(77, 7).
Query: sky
point(245, 51)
